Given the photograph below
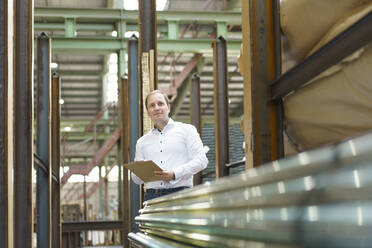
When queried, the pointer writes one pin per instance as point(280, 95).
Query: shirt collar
point(169, 123)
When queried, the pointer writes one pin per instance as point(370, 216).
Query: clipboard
point(144, 170)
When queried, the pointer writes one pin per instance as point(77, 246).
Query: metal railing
point(320, 198)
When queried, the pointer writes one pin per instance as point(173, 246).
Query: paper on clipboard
point(144, 170)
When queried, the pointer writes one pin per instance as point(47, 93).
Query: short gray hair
point(157, 92)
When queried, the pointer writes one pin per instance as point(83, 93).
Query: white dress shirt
point(176, 148)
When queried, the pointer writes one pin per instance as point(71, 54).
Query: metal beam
point(43, 114)
point(6, 132)
point(110, 45)
point(55, 162)
point(181, 83)
point(264, 57)
point(134, 124)
point(99, 156)
point(148, 45)
point(91, 225)
point(173, 27)
point(112, 15)
point(344, 44)
point(221, 110)
point(195, 114)
point(125, 146)
point(78, 27)
point(70, 27)
point(23, 123)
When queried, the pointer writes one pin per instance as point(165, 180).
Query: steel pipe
point(23, 123)
point(221, 109)
point(320, 198)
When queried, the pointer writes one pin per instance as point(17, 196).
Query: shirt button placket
point(161, 150)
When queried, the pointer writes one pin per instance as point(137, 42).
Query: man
point(174, 146)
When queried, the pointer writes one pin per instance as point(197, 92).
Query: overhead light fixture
point(61, 101)
point(114, 33)
point(67, 129)
point(53, 65)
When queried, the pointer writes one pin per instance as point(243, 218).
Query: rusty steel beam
point(99, 156)
point(55, 161)
point(5, 131)
point(266, 125)
point(23, 123)
point(180, 85)
point(98, 116)
point(182, 76)
point(43, 114)
point(95, 186)
point(195, 114)
point(221, 107)
point(125, 151)
point(147, 27)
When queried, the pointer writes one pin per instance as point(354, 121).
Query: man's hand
point(165, 175)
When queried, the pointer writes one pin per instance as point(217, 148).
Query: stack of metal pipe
point(319, 198)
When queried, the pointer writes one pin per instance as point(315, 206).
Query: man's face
point(157, 108)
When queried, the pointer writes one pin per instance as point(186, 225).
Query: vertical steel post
point(124, 127)
point(43, 141)
point(195, 117)
point(267, 133)
point(23, 123)
point(148, 38)
point(221, 108)
point(134, 123)
point(173, 29)
point(55, 162)
point(86, 210)
point(121, 75)
point(5, 129)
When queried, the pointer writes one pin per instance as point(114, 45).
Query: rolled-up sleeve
point(198, 160)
